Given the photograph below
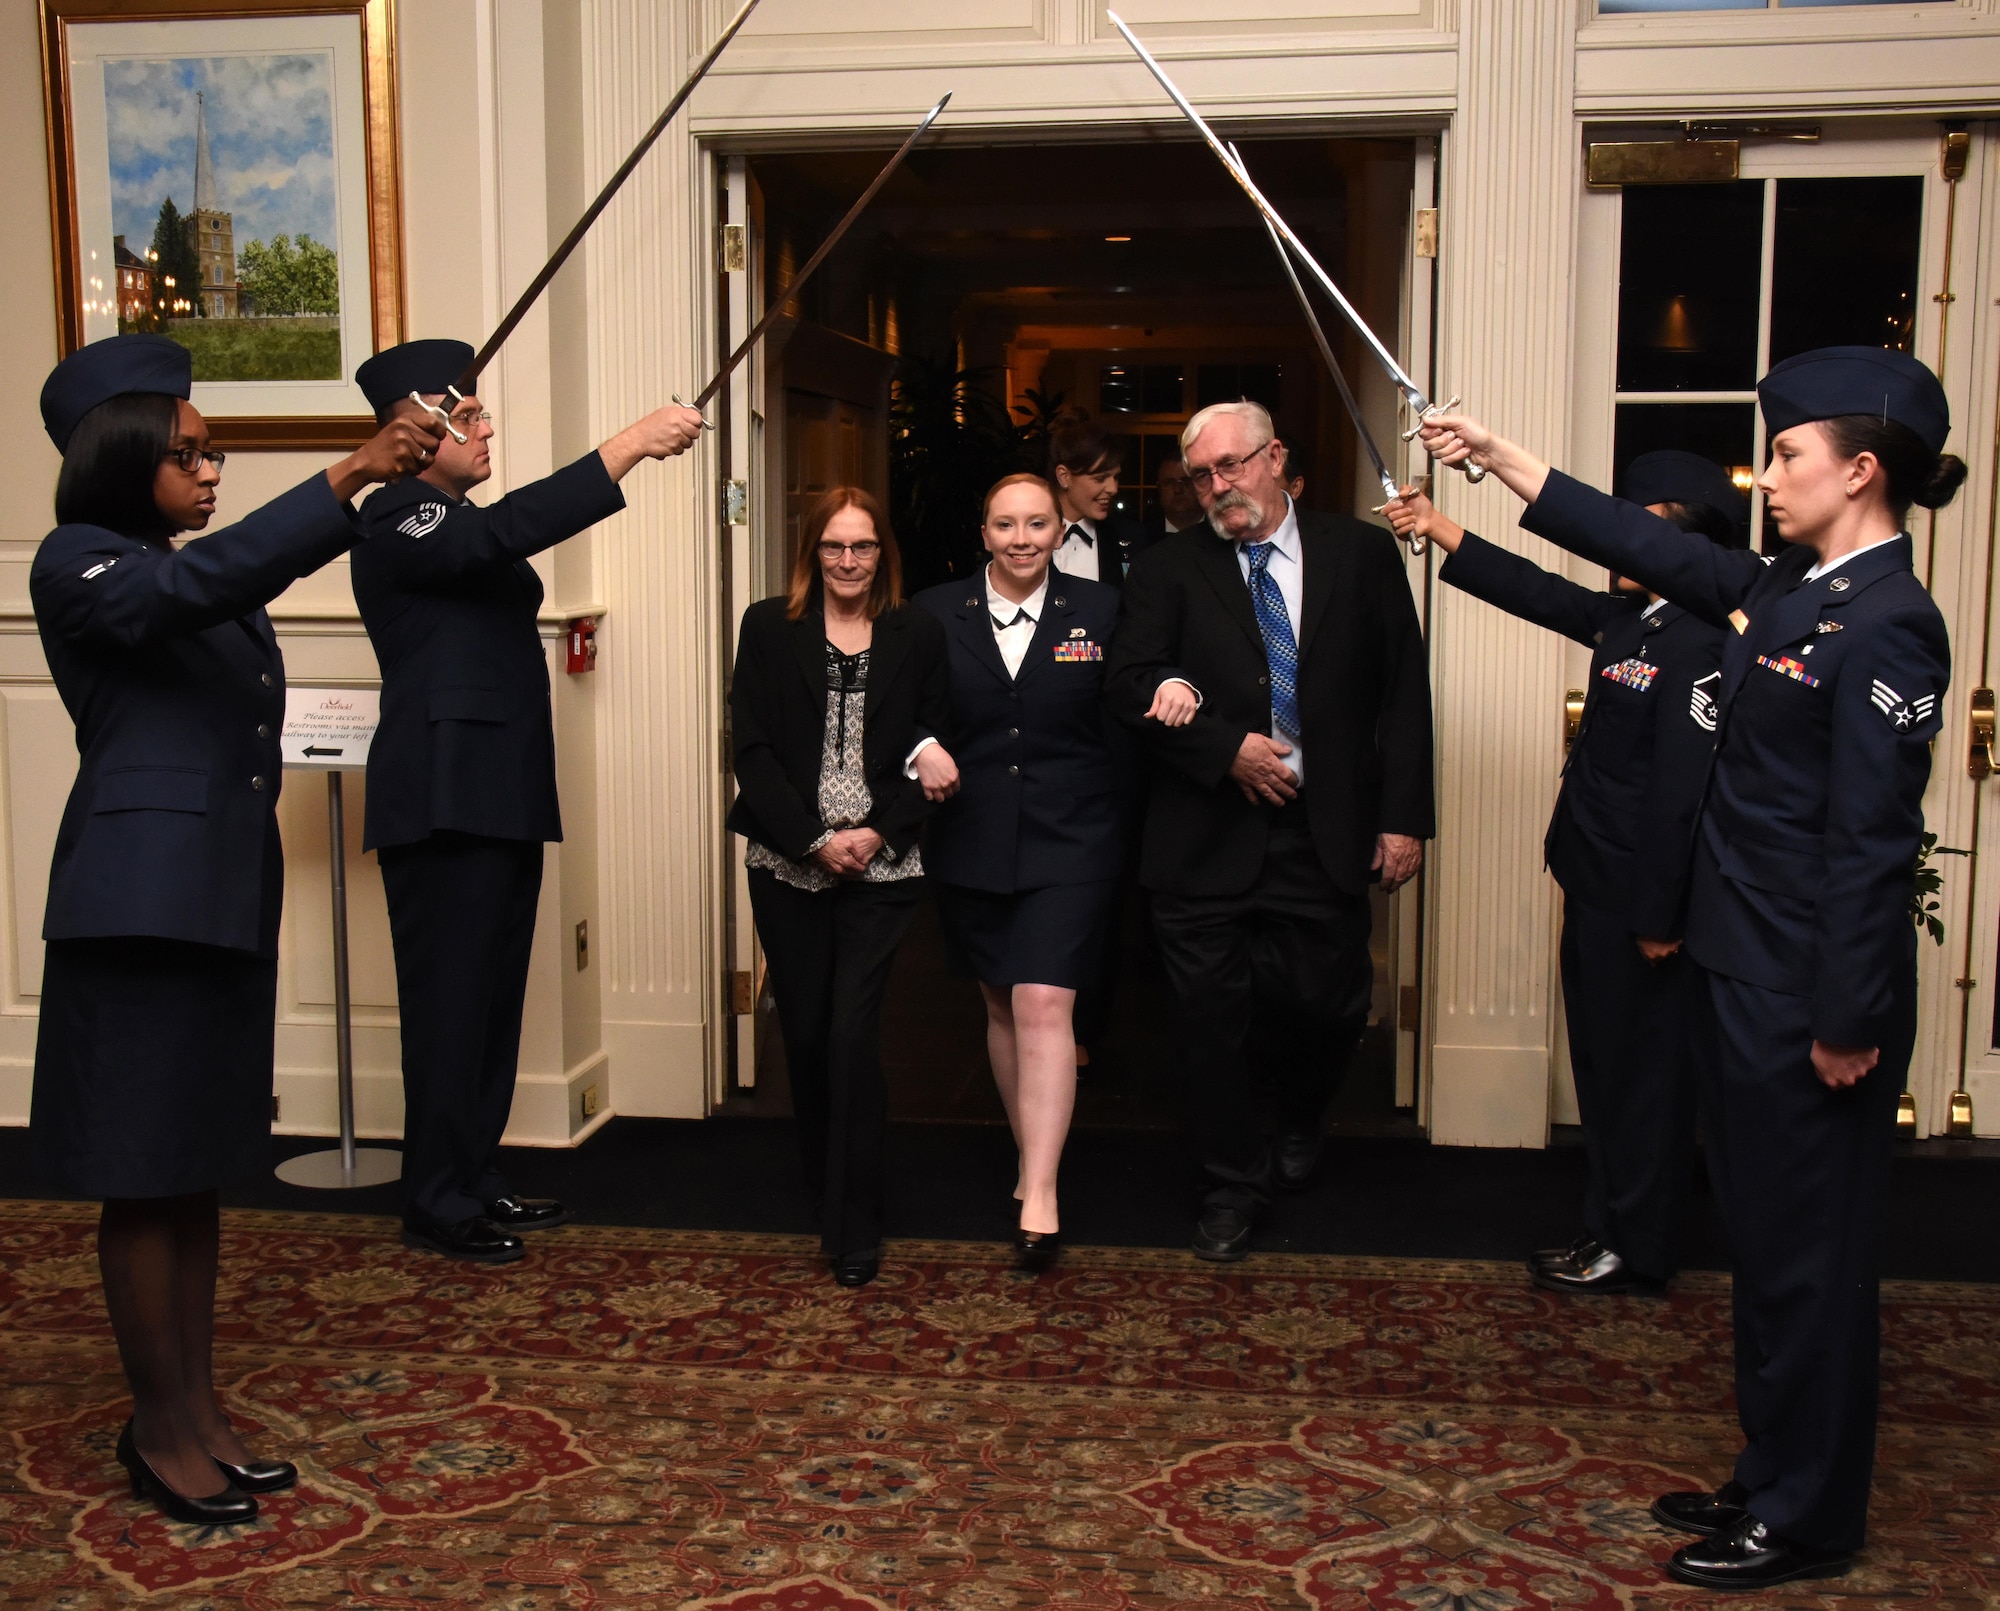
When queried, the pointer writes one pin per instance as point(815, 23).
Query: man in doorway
point(462, 777)
point(1084, 461)
point(1175, 507)
point(1297, 468)
point(1304, 775)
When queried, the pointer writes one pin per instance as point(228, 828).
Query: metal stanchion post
point(351, 1165)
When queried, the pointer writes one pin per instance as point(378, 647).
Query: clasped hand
point(848, 853)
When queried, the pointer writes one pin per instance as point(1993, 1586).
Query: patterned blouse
point(844, 798)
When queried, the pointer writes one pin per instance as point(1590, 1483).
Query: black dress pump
point(1035, 1251)
point(259, 1476)
point(229, 1508)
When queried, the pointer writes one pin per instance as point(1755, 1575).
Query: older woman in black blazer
point(159, 999)
point(1026, 855)
point(835, 683)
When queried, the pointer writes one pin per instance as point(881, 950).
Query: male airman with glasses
point(462, 775)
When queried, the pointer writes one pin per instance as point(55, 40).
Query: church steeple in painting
point(211, 231)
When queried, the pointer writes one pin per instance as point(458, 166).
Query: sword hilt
point(675, 398)
point(457, 435)
point(1475, 473)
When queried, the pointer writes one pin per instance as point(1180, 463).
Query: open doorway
point(987, 288)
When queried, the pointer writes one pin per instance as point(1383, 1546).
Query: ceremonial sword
point(1413, 394)
point(468, 381)
point(784, 297)
point(1390, 489)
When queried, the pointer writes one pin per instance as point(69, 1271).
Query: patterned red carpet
point(660, 1419)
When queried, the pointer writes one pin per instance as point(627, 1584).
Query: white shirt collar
point(1653, 609)
point(1084, 521)
point(1818, 571)
point(997, 605)
point(1286, 537)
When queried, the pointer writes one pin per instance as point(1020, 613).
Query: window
point(1141, 389)
point(1719, 282)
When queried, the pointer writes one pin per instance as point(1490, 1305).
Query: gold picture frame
point(326, 412)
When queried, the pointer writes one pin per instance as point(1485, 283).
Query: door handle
point(1573, 719)
point(1979, 755)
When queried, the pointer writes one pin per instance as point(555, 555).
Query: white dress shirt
point(1013, 638)
point(1288, 570)
point(1652, 609)
point(1818, 571)
point(1076, 557)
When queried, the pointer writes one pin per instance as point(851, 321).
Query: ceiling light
point(1118, 237)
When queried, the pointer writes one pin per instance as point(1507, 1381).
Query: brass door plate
point(1610, 163)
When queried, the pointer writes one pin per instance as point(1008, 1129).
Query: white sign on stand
point(329, 730)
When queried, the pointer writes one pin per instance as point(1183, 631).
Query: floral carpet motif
point(644, 1418)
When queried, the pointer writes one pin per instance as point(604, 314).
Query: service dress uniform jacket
point(153, 1064)
point(1027, 854)
point(449, 600)
point(1042, 778)
point(1618, 844)
point(461, 799)
point(1831, 691)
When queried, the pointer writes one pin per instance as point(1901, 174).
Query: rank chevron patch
point(1903, 714)
point(427, 519)
point(1701, 701)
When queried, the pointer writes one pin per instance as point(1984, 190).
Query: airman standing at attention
point(462, 777)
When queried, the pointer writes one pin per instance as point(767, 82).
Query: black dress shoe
point(1706, 1514)
point(229, 1508)
point(259, 1476)
point(1295, 1158)
point(1578, 1253)
point(856, 1269)
point(1035, 1251)
point(1751, 1556)
point(519, 1214)
point(1221, 1235)
point(476, 1240)
point(1604, 1276)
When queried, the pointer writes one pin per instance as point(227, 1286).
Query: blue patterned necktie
point(1281, 649)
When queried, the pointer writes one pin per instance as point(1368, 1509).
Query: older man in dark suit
point(1304, 775)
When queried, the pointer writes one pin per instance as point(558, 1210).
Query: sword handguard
point(457, 435)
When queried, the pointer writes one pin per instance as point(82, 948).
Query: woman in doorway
point(1834, 673)
point(159, 996)
point(836, 681)
point(1094, 540)
point(1025, 858)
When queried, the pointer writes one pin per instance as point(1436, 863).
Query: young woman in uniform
point(1617, 846)
point(1834, 671)
point(159, 996)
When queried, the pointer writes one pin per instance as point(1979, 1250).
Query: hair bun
point(1942, 485)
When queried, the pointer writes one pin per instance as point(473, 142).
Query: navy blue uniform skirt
point(1052, 936)
point(153, 1066)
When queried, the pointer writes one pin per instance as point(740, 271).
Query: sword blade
point(1272, 217)
point(784, 297)
point(468, 381)
point(1326, 352)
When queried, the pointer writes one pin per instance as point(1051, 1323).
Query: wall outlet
point(590, 1102)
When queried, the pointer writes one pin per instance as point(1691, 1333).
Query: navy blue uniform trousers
point(1800, 1172)
point(1628, 1047)
point(462, 915)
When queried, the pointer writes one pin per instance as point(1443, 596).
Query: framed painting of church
point(227, 176)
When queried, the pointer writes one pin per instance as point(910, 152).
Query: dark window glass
point(1160, 389)
point(1724, 432)
point(1118, 390)
point(1844, 264)
point(1158, 449)
point(1687, 287)
point(1229, 383)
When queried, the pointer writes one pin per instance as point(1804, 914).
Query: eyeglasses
point(188, 459)
point(1224, 470)
point(865, 552)
point(468, 417)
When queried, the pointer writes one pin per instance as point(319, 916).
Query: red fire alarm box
point(580, 645)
